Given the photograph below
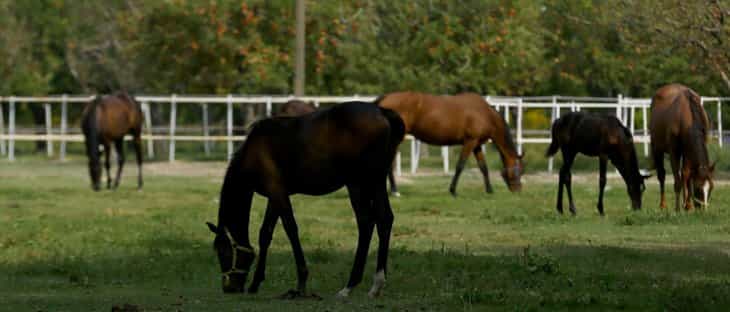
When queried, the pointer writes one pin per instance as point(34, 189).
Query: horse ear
point(212, 227)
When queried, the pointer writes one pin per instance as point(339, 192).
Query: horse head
point(512, 173)
point(235, 260)
point(702, 184)
point(636, 188)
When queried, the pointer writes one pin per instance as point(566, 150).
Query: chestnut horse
point(350, 144)
point(465, 119)
point(600, 136)
point(105, 120)
point(679, 127)
point(296, 108)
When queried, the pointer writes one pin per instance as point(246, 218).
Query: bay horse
point(464, 119)
point(679, 127)
point(350, 144)
point(601, 136)
point(296, 108)
point(106, 120)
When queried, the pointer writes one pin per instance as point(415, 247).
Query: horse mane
point(698, 114)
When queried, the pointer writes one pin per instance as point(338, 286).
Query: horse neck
point(695, 148)
point(235, 205)
point(628, 167)
point(505, 144)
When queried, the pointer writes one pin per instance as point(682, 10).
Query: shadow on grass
point(166, 273)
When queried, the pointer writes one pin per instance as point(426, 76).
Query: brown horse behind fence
point(464, 119)
point(679, 127)
point(105, 120)
point(296, 108)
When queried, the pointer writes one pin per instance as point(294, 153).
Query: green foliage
point(501, 47)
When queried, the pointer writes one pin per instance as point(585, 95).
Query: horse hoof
point(343, 293)
point(490, 191)
point(395, 194)
point(453, 192)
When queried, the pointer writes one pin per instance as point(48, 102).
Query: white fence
point(625, 108)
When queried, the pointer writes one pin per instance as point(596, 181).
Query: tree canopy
point(517, 47)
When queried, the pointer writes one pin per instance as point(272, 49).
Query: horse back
point(114, 116)
point(443, 120)
point(319, 152)
point(675, 109)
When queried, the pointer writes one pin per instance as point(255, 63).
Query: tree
point(699, 28)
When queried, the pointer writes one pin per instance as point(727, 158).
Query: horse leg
point(479, 155)
point(393, 186)
point(660, 174)
point(283, 205)
point(687, 185)
point(601, 182)
point(137, 144)
point(568, 158)
point(465, 149)
point(119, 146)
point(674, 160)
point(265, 234)
point(361, 202)
point(384, 223)
point(107, 164)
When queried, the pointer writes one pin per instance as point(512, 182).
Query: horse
point(350, 144)
point(601, 136)
point(296, 108)
point(679, 127)
point(105, 120)
point(464, 119)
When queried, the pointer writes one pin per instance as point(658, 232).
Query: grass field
point(66, 248)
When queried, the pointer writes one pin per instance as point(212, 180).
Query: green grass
point(66, 248)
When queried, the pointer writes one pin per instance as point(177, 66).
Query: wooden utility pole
point(299, 66)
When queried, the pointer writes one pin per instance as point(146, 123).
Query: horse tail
point(698, 113)
point(555, 142)
point(397, 127)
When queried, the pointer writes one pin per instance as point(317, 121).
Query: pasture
point(64, 247)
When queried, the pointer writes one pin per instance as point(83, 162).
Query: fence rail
point(623, 107)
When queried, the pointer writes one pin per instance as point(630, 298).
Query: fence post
point(49, 126)
point(506, 112)
point(148, 121)
point(3, 147)
point(618, 108)
point(229, 125)
point(268, 107)
point(445, 156)
point(519, 126)
point(719, 122)
point(206, 130)
point(11, 129)
point(633, 117)
point(398, 169)
point(64, 127)
point(414, 155)
point(646, 131)
point(173, 121)
point(553, 116)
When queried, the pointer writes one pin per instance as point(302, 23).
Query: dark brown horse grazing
point(105, 120)
point(350, 144)
point(596, 135)
point(679, 127)
point(464, 119)
point(296, 108)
